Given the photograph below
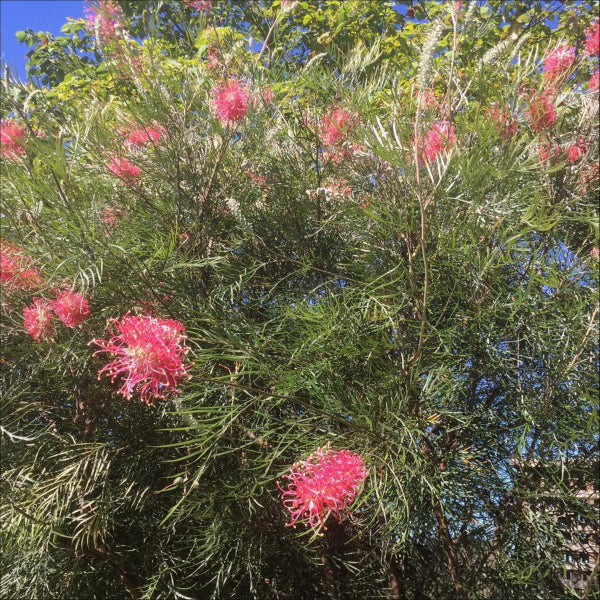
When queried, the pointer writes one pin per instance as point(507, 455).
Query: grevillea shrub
point(300, 300)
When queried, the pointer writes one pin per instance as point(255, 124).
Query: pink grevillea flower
point(337, 189)
point(229, 101)
point(148, 352)
point(71, 308)
point(337, 155)
point(557, 62)
point(103, 17)
point(15, 271)
point(427, 100)
point(111, 217)
point(541, 113)
point(12, 139)
point(335, 125)
point(593, 82)
point(325, 483)
point(589, 177)
point(576, 151)
point(129, 64)
point(505, 123)
point(257, 179)
point(592, 38)
point(38, 319)
point(548, 151)
point(125, 170)
point(267, 95)
point(145, 136)
point(439, 138)
point(204, 6)
point(262, 97)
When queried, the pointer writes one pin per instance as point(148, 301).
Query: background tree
point(252, 249)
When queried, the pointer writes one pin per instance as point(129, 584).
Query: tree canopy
point(300, 300)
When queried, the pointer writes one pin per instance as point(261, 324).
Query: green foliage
point(437, 316)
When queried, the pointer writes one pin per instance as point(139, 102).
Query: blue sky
point(39, 15)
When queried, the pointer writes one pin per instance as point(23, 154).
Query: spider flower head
point(541, 113)
point(229, 101)
point(38, 320)
point(148, 352)
point(204, 6)
point(557, 62)
point(15, 272)
point(139, 137)
point(125, 170)
point(325, 483)
point(104, 17)
point(576, 151)
point(71, 308)
point(111, 217)
point(12, 139)
point(592, 38)
point(593, 82)
point(504, 123)
point(440, 138)
point(336, 125)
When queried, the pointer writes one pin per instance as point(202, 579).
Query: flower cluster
point(103, 17)
point(541, 113)
point(111, 217)
point(576, 151)
point(15, 271)
point(593, 82)
point(204, 6)
point(427, 100)
point(548, 151)
point(71, 308)
point(440, 138)
point(17, 274)
point(140, 137)
point(505, 123)
point(592, 38)
point(125, 170)
point(229, 101)
point(12, 139)
point(325, 483)
point(557, 62)
point(266, 95)
point(589, 178)
point(335, 125)
point(213, 58)
point(148, 352)
point(39, 320)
